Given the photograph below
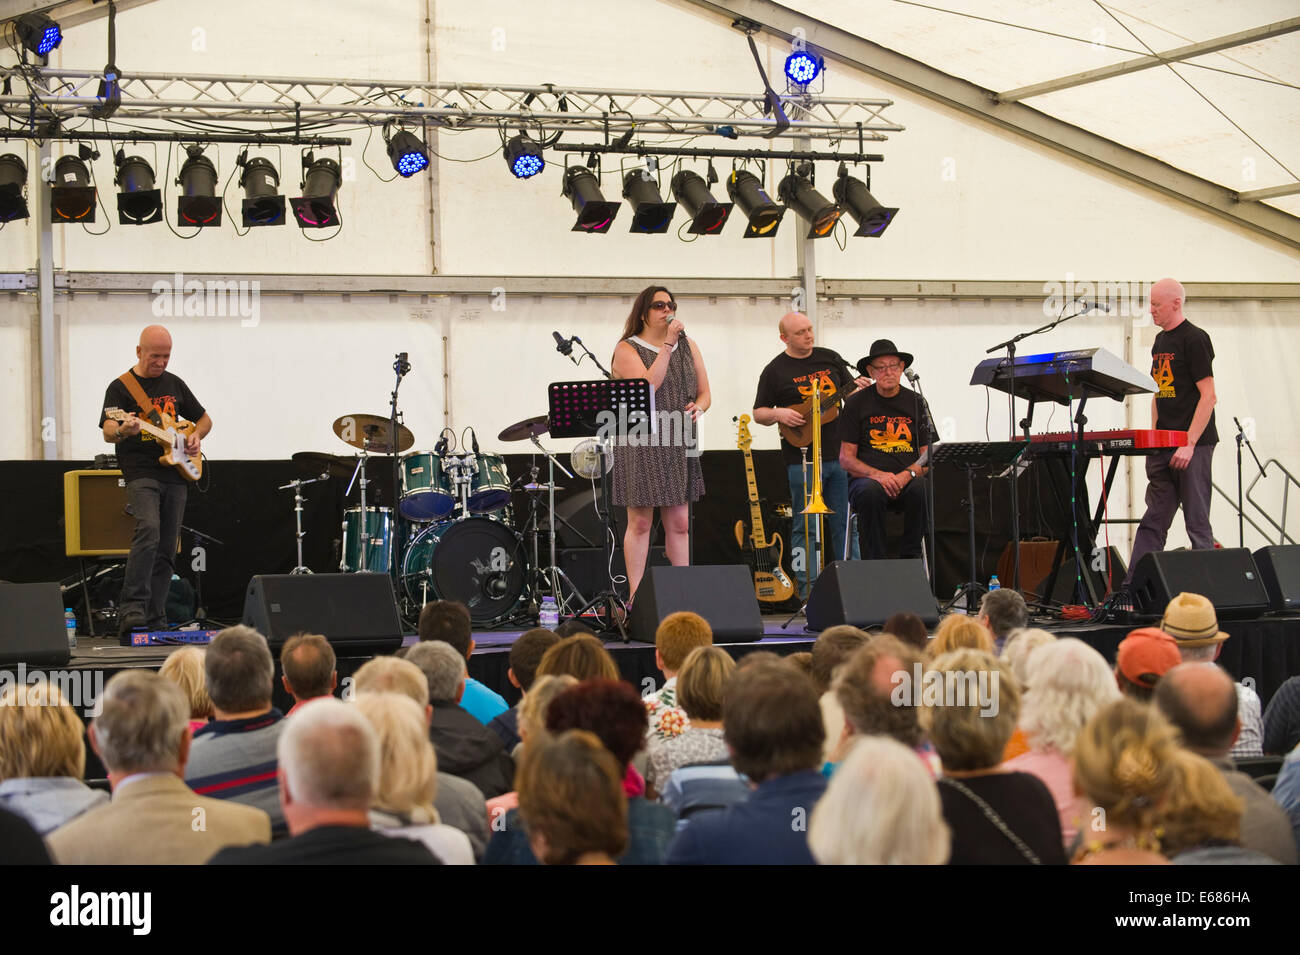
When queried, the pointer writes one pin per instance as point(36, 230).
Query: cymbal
point(528, 428)
point(370, 432)
point(321, 462)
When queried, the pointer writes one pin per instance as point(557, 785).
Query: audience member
point(615, 713)
point(1124, 768)
point(908, 627)
point(700, 684)
point(20, 844)
point(233, 756)
point(675, 637)
point(773, 727)
point(532, 727)
point(525, 655)
point(1020, 645)
point(571, 801)
point(1282, 719)
point(996, 817)
point(960, 632)
point(801, 661)
point(881, 808)
point(407, 786)
point(328, 776)
point(458, 801)
point(466, 747)
point(865, 688)
point(1286, 790)
point(307, 663)
point(449, 621)
point(1190, 619)
point(832, 648)
point(1144, 656)
point(1069, 682)
point(756, 658)
point(142, 735)
point(581, 656)
point(572, 628)
point(1200, 821)
point(43, 757)
point(1200, 699)
point(1002, 611)
point(184, 667)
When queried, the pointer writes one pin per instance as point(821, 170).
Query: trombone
point(817, 390)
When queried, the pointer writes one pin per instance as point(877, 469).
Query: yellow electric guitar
point(172, 437)
point(771, 582)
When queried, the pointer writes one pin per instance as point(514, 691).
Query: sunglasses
point(662, 306)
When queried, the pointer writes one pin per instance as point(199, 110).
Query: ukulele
point(771, 583)
point(172, 437)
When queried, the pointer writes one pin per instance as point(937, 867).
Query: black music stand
point(604, 409)
point(972, 456)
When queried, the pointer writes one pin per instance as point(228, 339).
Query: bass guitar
point(172, 437)
point(771, 583)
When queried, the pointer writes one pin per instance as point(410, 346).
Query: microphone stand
point(578, 341)
point(926, 429)
point(400, 367)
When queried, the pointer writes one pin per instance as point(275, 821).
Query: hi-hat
point(372, 433)
point(528, 428)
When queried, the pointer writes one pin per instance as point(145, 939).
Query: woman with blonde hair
point(408, 778)
point(957, 631)
point(1200, 822)
point(532, 729)
point(184, 667)
point(43, 757)
point(1124, 766)
point(700, 686)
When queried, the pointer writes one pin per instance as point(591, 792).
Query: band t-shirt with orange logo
point(1179, 359)
point(138, 455)
point(884, 429)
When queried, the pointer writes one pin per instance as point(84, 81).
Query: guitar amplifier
point(95, 520)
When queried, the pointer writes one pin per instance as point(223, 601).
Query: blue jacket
point(769, 828)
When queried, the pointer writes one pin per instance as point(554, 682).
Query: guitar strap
point(146, 406)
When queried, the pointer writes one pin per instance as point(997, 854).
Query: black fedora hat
point(879, 348)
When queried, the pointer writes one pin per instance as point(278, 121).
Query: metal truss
point(281, 101)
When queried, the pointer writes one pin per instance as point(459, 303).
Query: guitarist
point(156, 492)
point(778, 393)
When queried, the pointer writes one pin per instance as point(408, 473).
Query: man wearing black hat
point(879, 449)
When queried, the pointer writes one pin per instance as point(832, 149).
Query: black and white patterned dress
point(663, 472)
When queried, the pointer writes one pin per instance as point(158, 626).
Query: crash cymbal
point(320, 462)
point(370, 432)
point(523, 430)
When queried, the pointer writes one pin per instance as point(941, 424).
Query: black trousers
point(157, 507)
point(871, 502)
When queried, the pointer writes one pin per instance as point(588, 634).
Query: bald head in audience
point(1201, 700)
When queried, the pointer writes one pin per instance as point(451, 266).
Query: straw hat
point(1190, 619)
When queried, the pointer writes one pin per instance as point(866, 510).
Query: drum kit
point(454, 536)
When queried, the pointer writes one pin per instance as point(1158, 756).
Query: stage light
point(708, 216)
point(797, 192)
point(872, 218)
point(523, 157)
point(198, 204)
point(407, 154)
point(13, 183)
point(139, 203)
point(263, 204)
point(763, 214)
point(317, 207)
point(36, 32)
point(72, 198)
point(802, 66)
point(582, 189)
point(650, 214)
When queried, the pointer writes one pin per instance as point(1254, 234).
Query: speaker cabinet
point(866, 593)
point(95, 520)
point(1228, 577)
point(32, 628)
point(1279, 568)
point(357, 613)
point(722, 594)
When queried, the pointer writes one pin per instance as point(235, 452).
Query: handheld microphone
point(563, 345)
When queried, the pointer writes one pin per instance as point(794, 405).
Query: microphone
point(441, 447)
point(912, 376)
point(1096, 305)
point(401, 366)
point(563, 345)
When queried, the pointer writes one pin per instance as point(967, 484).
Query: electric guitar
point(172, 437)
point(802, 435)
point(771, 582)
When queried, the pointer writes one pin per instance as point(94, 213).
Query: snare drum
point(477, 561)
point(379, 525)
point(490, 490)
point(426, 490)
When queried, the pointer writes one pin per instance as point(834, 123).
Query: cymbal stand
point(553, 576)
point(298, 484)
point(365, 524)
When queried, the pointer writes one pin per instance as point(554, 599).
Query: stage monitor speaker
point(1279, 568)
point(866, 593)
point(32, 627)
point(1228, 577)
point(1064, 591)
point(723, 594)
point(355, 612)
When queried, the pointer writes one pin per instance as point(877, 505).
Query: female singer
point(662, 470)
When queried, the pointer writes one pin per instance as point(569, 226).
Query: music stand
point(605, 409)
point(971, 456)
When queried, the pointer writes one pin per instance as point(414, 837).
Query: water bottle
point(70, 621)
point(993, 583)
point(550, 615)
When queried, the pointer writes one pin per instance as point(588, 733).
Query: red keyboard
point(1119, 441)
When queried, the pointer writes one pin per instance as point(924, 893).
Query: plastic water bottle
point(70, 621)
point(550, 614)
point(993, 583)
